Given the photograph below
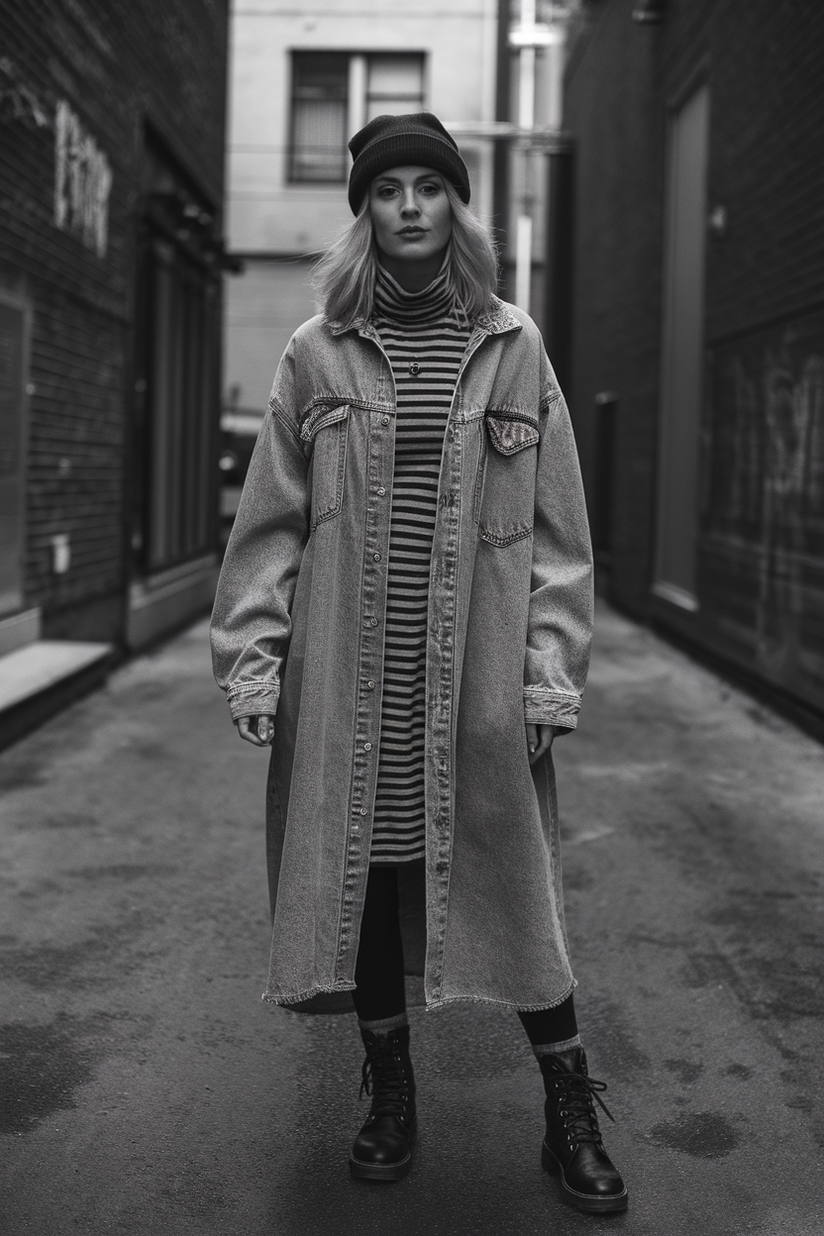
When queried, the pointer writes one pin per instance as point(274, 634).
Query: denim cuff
point(543, 707)
point(253, 699)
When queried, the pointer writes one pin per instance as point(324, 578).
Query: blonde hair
point(344, 278)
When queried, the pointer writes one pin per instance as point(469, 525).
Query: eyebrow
point(393, 180)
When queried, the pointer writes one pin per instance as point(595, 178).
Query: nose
point(409, 205)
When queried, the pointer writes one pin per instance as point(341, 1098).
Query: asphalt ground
point(145, 1087)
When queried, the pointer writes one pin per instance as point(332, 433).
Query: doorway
point(682, 351)
point(14, 340)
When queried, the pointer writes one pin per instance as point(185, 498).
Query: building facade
point(111, 184)
point(303, 80)
point(698, 376)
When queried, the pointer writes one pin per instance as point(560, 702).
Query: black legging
point(380, 990)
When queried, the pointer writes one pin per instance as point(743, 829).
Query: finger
point(532, 738)
point(265, 729)
point(243, 724)
point(247, 729)
point(546, 733)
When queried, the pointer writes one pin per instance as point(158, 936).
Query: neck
point(413, 276)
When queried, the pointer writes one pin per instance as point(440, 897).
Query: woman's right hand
point(259, 730)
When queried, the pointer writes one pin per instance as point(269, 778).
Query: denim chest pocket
point(505, 486)
point(324, 433)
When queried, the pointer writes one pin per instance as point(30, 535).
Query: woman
point(404, 614)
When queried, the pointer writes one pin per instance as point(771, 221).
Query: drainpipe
point(528, 37)
point(526, 122)
point(500, 148)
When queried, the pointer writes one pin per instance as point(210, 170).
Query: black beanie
point(417, 139)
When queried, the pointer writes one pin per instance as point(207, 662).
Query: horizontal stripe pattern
point(425, 343)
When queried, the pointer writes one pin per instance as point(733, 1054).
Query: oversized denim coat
point(298, 630)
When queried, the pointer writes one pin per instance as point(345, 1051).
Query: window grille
point(320, 93)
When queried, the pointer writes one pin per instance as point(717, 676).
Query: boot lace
point(576, 1108)
point(384, 1081)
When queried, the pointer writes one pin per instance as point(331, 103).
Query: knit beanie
point(417, 140)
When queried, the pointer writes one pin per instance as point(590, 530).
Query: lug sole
point(593, 1203)
point(379, 1171)
point(362, 1170)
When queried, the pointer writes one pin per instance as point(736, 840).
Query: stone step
point(44, 676)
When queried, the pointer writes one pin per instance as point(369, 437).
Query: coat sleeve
point(251, 621)
point(561, 593)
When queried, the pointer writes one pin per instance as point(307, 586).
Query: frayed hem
point(287, 1001)
point(283, 1001)
point(501, 1004)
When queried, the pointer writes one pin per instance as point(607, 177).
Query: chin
point(416, 251)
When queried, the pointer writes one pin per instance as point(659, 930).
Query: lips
point(412, 231)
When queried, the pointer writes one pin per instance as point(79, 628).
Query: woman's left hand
point(539, 740)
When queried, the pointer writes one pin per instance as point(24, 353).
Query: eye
point(387, 191)
point(429, 190)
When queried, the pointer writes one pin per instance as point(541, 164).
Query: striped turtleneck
point(425, 341)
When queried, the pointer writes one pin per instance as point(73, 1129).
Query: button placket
point(364, 772)
point(380, 450)
point(440, 658)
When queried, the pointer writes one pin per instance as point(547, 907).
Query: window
point(334, 94)
point(320, 92)
point(394, 85)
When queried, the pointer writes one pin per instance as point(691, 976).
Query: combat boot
point(573, 1150)
point(382, 1149)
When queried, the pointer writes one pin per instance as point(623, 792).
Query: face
point(411, 215)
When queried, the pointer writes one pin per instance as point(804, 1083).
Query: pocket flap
point(509, 434)
point(320, 417)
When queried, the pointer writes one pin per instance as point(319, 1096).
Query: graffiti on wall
point(763, 526)
point(82, 182)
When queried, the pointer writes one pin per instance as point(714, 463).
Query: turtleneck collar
point(392, 301)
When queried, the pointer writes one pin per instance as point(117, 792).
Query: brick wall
point(117, 66)
point(766, 163)
point(761, 535)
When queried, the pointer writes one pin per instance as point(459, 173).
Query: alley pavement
point(146, 1089)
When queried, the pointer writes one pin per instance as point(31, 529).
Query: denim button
point(385, 420)
point(362, 811)
point(371, 685)
point(367, 746)
point(381, 491)
point(377, 557)
point(373, 622)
